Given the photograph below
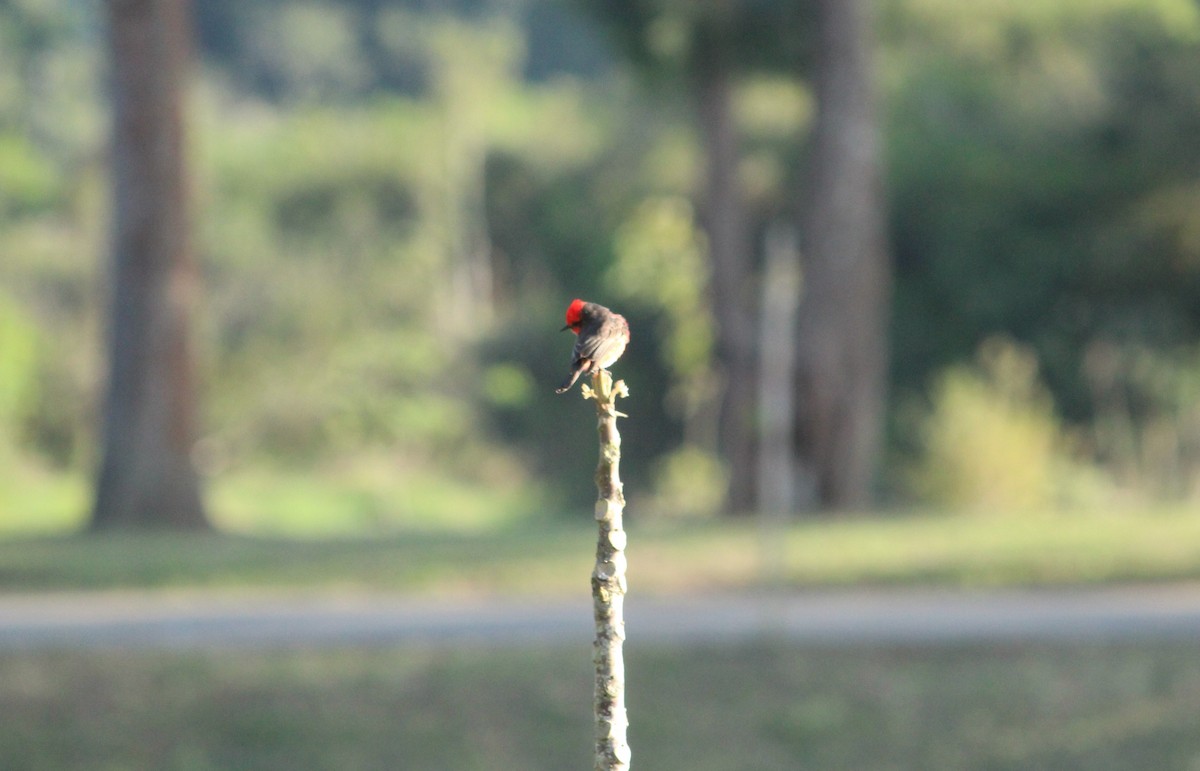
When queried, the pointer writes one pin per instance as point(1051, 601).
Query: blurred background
point(917, 281)
point(393, 203)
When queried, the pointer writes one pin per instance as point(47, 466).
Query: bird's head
point(574, 316)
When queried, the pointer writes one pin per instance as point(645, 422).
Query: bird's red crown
point(575, 315)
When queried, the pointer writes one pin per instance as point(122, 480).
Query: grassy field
point(766, 706)
point(555, 557)
point(343, 530)
point(745, 708)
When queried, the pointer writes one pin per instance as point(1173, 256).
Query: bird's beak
point(565, 328)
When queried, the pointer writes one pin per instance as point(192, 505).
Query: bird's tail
point(570, 381)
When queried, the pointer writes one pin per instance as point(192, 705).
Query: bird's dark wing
point(609, 339)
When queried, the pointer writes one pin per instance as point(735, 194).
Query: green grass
point(421, 562)
point(555, 557)
point(361, 499)
point(749, 707)
point(768, 706)
point(338, 530)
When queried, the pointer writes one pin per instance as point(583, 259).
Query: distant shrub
point(688, 483)
point(992, 441)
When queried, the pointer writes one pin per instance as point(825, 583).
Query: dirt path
point(213, 618)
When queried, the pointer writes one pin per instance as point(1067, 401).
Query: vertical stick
point(776, 378)
point(608, 581)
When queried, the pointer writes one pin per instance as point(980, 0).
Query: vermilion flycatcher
point(603, 336)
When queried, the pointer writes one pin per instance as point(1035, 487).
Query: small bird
point(603, 336)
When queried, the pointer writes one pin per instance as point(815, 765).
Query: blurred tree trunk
point(146, 476)
point(729, 251)
point(842, 348)
point(472, 68)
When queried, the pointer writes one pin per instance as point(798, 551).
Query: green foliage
point(661, 261)
point(688, 483)
point(992, 441)
point(19, 362)
point(28, 180)
point(372, 497)
point(344, 376)
point(1026, 141)
point(1147, 426)
point(667, 37)
point(508, 385)
point(382, 201)
point(313, 51)
point(36, 501)
point(353, 160)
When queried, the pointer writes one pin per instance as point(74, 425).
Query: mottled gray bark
point(146, 477)
point(608, 581)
